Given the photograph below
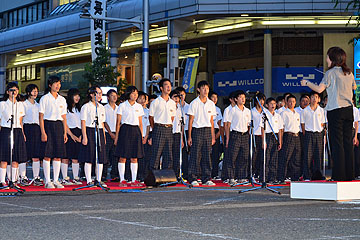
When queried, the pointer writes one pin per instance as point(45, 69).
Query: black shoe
point(37, 182)
point(115, 179)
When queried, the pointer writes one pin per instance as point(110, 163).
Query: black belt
point(163, 125)
point(241, 133)
point(292, 134)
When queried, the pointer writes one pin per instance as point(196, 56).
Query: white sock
point(88, 172)
point(56, 170)
point(8, 171)
point(75, 170)
point(14, 174)
point(22, 169)
point(36, 169)
point(46, 167)
point(64, 170)
point(134, 170)
point(121, 167)
point(99, 170)
point(2, 175)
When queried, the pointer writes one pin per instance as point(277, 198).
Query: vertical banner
point(190, 74)
point(357, 68)
point(97, 32)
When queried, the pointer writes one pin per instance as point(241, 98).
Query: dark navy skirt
point(33, 140)
point(73, 148)
point(87, 152)
point(55, 146)
point(19, 153)
point(129, 143)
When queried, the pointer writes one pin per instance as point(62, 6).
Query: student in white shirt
point(272, 146)
point(238, 141)
point(175, 95)
point(9, 105)
point(33, 134)
point(312, 120)
point(290, 155)
point(128, 139)
point(88, 116)
point(161, 117)
point(201, 135)
point(215, 151)
point(74, 138)
point(284, 101)
point(53, 125)
point(110, 131)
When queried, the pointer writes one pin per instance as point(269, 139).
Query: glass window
point(34, 12)
point(23, 74)
point(15, 18)
point(18, 74)
point(29, 14)
point(28, 72)
point(11, 15)
point(33, 72)
point(39, 11)
point(24, 17)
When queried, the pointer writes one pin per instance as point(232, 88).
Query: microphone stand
point(12, 185)
point(251, 179)
point(97, 149)
point(182, 131)
point(264, 185)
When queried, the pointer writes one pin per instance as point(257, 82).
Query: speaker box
point(158, 177)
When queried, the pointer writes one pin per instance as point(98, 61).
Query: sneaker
point(90, 184)
point(288, 179)
point(103, 184)
point(217, 178)
point(123, 184)
point(66, 181)
point(50, 185)
point(195, 184)
point(77, 181)
point(136, 184)
point(57, 184)
point(232, 182)
point(209, 183)
point(4, 186)
point(37, 181)
point(227, 181)
point(24, 181)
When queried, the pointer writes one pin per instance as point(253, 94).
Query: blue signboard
point(283, 80)
point(357, 67)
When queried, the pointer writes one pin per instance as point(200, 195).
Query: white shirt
point(88, 113)
point(186, 117)
point(226, 115)
point(280, 110)
point(31, 112)
point(111, 116)
point(145, 120)
point(73, 119)
point(162, 110)
point(176, 122)
point(313, 119)
point(53, 108)
point(6, 111)
point(218, 117)
point(275, 120)
point(239, 119)
point(291, 121)
point(202, 112)
point(257, 121)
point(299, 110)
point(130, 113)
point(356, 116)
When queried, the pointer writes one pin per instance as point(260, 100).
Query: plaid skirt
point(19, 151)
point(87, 152)
point(73, 148)
point(55, 146)
point(130, 142)
point(33, 140)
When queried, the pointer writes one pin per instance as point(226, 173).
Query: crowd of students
point(144, 132)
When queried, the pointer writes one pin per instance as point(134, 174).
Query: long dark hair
point(51, 80)
point(337, 57)
point(70, 99)
point(90, 91)
point(11, 85)
point(29, 88)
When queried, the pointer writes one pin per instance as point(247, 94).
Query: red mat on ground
point(115, 186)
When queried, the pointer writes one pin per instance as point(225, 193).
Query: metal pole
point(168, 50)
point(145, 54)
point(267, 63)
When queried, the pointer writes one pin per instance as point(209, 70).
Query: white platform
point(336, 191)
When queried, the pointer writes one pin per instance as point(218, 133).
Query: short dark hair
point(110, 92)
point(270, 99)
point(29, 88)
point(8, 86)
point(142, 93)
point(315, 93)
point(203, 83)
point(162, 81)
point(51, 80)
point(122, 98)
point(70, 99)
point(180, 89)
point(279, 98)
point(153, 96)
point(260, 96)
point(90, 91)
point(231, 95)
point(129, 90)
point(286, 95)
point(213, 93)
point(174, 92)
point(238, 93)
point(305, 95)
point(290, 96)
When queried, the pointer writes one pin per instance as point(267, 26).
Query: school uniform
point(225, 165)
point(215, 151)
point(32, 129)
point(186, 149)
point(53, 109)
point(280, 110)
point(271, 145)
point(111, 117)
point(258, 154)
point(130, 138)
point(313, 148)
point(145, 161)
point(201, 139)
point(238, 148)
point(290, 155)
point(74, 124)
point(19, 153)
point(176, 141)
point(162, 138)
point(87, 152)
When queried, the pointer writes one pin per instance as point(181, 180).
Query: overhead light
point(151, 40)
point(29, 50)
point(126, 56)
point(154, 25)
point(295, 22)
point(335, 22)
point(61, 44)
point(225, 28)
point(244, 15)
point(53, 57)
